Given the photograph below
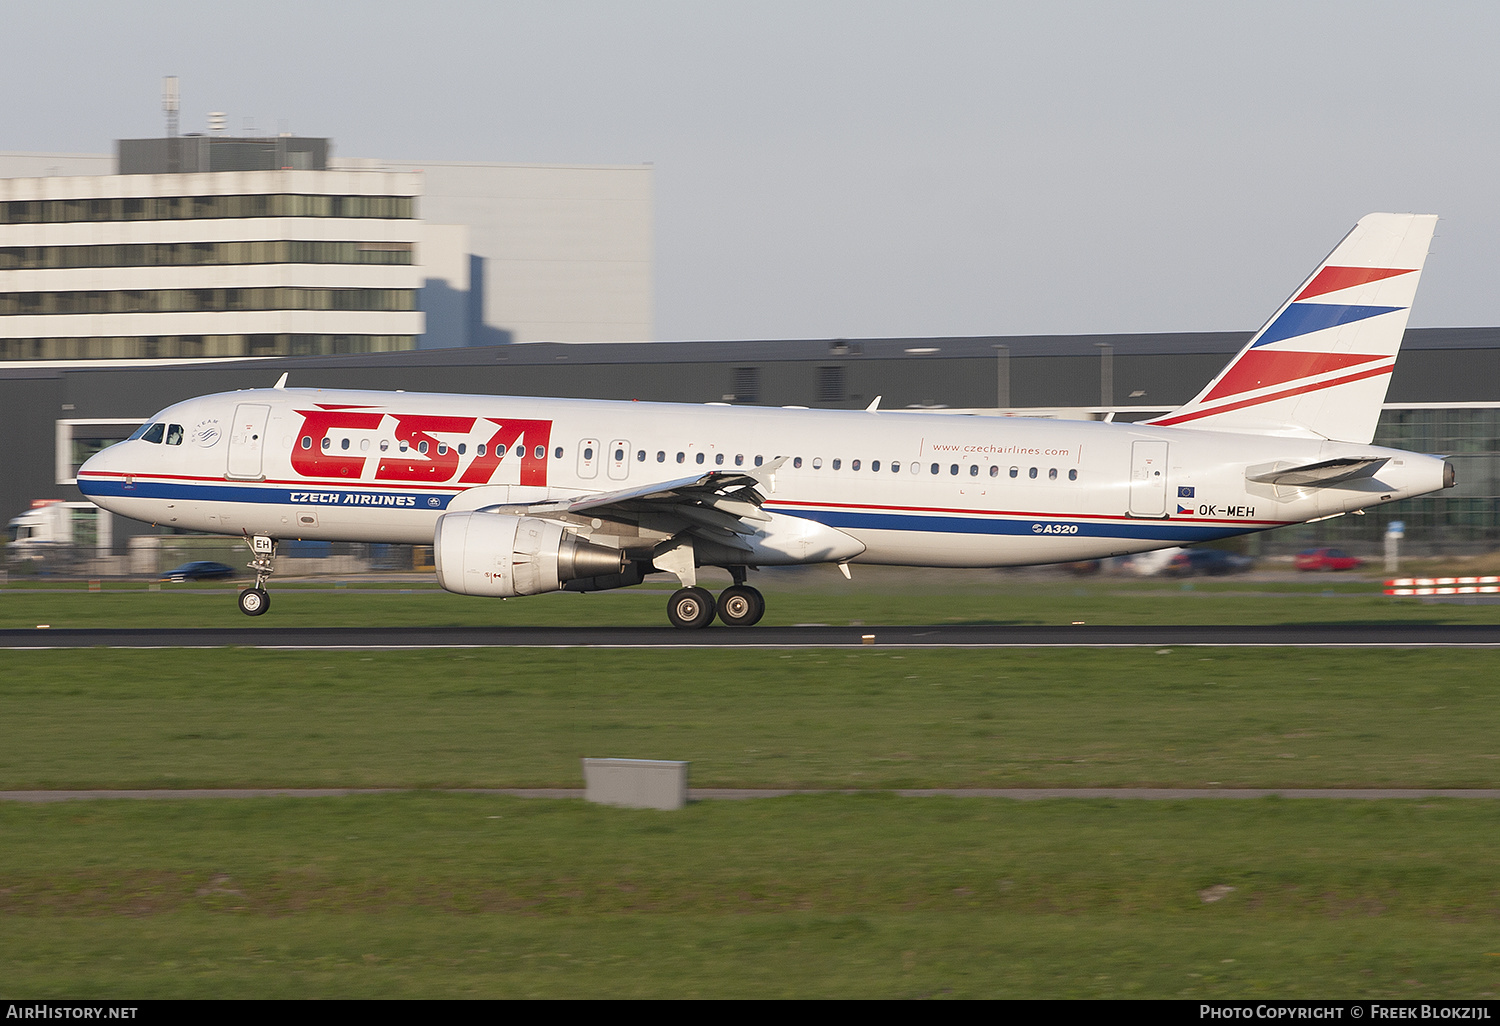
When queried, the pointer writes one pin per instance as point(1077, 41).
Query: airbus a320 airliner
point(521, 496)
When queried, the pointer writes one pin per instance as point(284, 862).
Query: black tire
point(741, 606)
point(691, 608)
point(254, 601)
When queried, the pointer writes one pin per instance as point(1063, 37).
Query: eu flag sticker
point(1185, 492)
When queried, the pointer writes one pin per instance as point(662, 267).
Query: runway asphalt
point(805, 636)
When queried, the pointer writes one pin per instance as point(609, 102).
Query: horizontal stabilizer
point(1318, 475)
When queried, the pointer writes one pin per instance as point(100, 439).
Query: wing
point(718, 506)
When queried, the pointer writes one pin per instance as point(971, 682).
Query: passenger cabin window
point(640, 457)
point(328, 444)
point(541, 452)
point(422, 447)
point(619, 455)
point(936, 469)
point(797, 462)
point(973, 470)
point(994, 470)
point(874, 466)
point(718, 459)
point(953, 469)
point(817, 463)
point(895, 467)
point(759, 460)
point(699, 457)
point(739, 459)
point(478, 449)
point(681, 457)
point(153, 433)
point(837, 463)
point(555, 452)
point(661, 457)
point(1015, 471)
point(1031, 473)
point(307, 441)
point(344, 444)
point(1052, 474)
point(1072, 475)
point(854, 464)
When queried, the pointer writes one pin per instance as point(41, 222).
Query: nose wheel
point(255, 601)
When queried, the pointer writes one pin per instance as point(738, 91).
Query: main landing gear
point(256, 600)
point(739, 605)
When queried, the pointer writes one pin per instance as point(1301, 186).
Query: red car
point(1327, 559)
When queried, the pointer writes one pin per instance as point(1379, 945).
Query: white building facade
point(209, 265)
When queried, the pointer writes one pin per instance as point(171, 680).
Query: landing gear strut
point(255, 601)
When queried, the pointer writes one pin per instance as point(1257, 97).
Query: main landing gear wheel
point(741, 606)
point(691, 608)
point(254, 601)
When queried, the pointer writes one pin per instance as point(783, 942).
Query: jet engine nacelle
point(500, 555)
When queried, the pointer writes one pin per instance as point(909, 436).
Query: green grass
point(878, 595)
point(920, 718)
point(838, 896)
point(422, 894)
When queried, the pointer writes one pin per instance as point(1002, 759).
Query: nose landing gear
point(255, 601)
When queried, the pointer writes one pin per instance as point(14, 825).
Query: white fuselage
point(911, 489)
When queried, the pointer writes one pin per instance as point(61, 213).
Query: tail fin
point(1320, 367)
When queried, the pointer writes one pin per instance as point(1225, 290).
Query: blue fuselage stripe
point(275, 495)
point(854, 520)
point(1152, 530)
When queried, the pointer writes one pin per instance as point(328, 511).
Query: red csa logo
point(339, 441)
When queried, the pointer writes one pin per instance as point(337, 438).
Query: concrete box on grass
point(637, 783)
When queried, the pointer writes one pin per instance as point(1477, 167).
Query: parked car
point(199, 570)
point(1211, 562)
point(1327, 559)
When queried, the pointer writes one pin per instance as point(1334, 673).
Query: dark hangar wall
point(1460, 365)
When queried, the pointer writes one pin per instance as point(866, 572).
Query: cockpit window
point(153, 432)
point(174, 434)
point(141, 431)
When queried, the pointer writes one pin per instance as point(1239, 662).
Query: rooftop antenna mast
point(171, 103)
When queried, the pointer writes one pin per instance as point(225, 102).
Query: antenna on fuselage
point(281, 382)
point(874, 406)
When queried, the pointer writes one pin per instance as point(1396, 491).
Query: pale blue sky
point(862, 168)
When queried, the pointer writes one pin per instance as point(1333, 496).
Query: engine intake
point(500, 556)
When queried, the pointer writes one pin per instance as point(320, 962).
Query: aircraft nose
point(102, 466)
